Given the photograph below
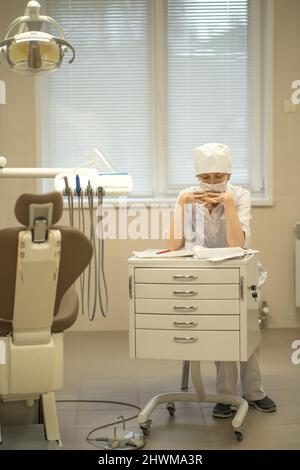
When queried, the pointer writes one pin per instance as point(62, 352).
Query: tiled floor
point(97, 368)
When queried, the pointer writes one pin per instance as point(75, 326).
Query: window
point(154, 79)
point(103, 100)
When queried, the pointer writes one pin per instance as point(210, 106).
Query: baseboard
point(121, 324)
point(100, 324)
point(283, 321)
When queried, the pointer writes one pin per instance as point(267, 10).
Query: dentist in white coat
point(217, 214)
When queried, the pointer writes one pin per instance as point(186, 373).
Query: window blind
point(208, 84)
point(104, 99)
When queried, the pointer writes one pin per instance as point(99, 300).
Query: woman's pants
point(251, 377)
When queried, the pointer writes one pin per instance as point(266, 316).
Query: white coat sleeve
point(175, 209)
point(243, 207)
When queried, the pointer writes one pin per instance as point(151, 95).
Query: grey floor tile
point(145, 397)
point(67, 418)
point(67, 437)
point(88, 419)
point(283, 415)
point(65, 405)
point(27, 437)
point(274, 436)
point(97, 367)
point(113, 399)
point(125, 384)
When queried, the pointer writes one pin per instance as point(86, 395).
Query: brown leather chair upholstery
point(76, 252)
point(31, 328)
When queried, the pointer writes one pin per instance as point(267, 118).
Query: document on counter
point(162, 253)
point(220, 254)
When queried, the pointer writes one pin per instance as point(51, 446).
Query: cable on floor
point(96, 440)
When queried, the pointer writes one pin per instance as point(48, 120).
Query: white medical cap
point(212, 158)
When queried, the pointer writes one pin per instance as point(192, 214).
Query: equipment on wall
point(89, 186)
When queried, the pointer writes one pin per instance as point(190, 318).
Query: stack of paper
point(162, 253)
point(200, 252)
point(219, 254)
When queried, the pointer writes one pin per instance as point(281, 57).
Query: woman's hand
point(207, 199)
point(214, 199)
point(189, 198)
point(234, 231)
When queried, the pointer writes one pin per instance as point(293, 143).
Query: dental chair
point(39, 263)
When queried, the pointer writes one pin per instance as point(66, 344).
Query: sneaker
point(222, 411)
point(265, 404)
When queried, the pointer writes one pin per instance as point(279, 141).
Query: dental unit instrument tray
point(112, 183)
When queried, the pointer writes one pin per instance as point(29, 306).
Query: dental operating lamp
point(31, 50)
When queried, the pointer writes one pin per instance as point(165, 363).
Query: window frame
point(263, 67)
point(261, 159)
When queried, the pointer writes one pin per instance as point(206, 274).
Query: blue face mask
point(217, 187)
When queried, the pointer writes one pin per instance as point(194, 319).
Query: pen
point(161, 252)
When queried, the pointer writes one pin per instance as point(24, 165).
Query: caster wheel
point(146, 431)
point(145, 427)
point(239, 436)
point(171, 409)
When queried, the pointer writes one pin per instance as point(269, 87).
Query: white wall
point(272, 227)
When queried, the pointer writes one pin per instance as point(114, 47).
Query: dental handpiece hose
point(101, 253)
point(70, 200)
point(90, 196)
point(81, 226)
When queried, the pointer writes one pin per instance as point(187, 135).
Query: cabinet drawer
point(188, 306)
point(189, 346)
point(187, 291)
point(187, 322)
point(186, 275)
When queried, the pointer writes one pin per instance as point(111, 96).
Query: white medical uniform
point(213, 235)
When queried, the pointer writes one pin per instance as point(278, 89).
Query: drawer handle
point(130, 286)
point(187, 339)
point(184, 308)
point(185, 323)
point(184, 276)
point(185, 292)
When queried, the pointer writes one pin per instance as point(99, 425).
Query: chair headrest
point(22, 207)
